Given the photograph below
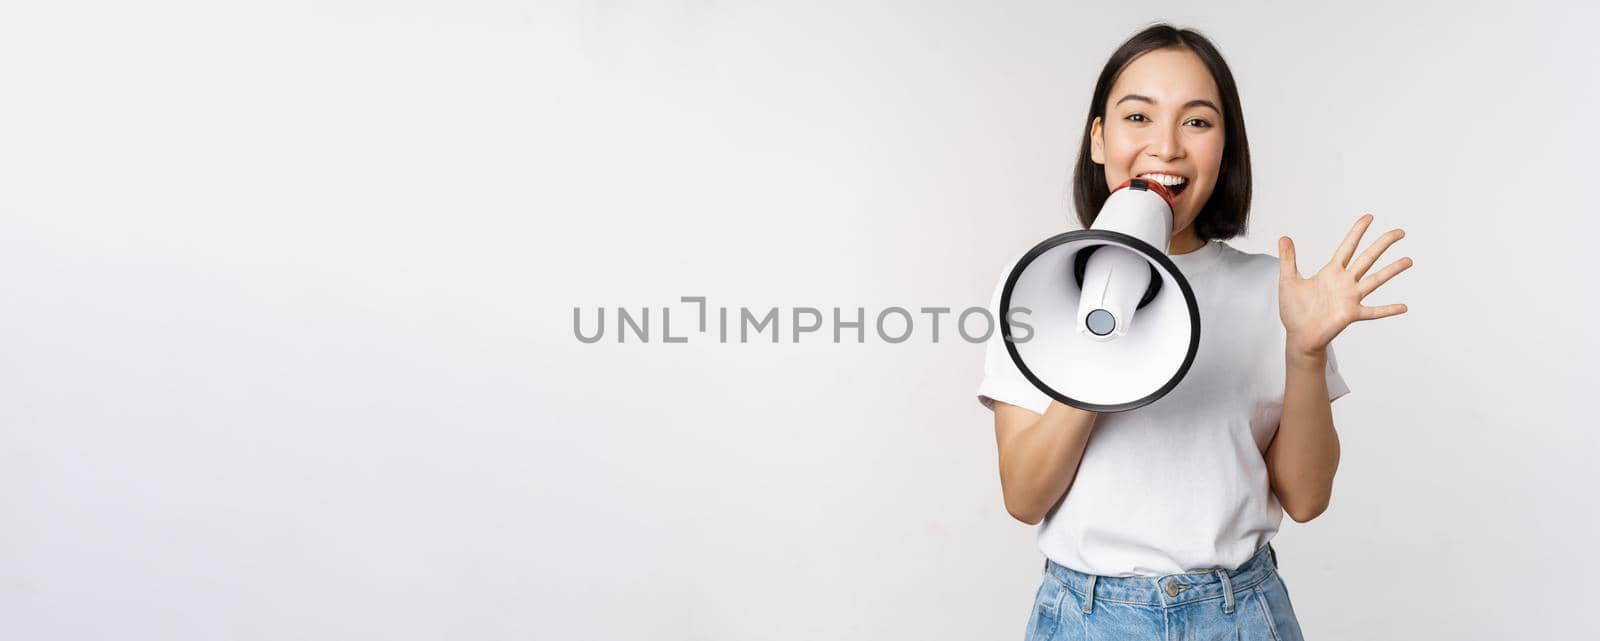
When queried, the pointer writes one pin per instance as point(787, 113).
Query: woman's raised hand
point(1316, 309)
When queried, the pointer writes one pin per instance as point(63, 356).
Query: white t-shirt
point(1179, 485)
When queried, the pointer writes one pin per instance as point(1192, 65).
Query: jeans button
point(1172, 588)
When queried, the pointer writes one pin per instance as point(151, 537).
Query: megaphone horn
point(1115, 323)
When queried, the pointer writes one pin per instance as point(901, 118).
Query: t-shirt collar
point(1199, 258)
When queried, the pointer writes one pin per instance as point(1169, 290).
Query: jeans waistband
point(1170, 589)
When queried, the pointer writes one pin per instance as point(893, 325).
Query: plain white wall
point(286, 346)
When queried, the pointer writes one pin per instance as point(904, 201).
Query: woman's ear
point(1097, 151)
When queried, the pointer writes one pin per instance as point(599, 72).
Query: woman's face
point(1163, 121)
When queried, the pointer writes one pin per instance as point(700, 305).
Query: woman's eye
point(1202, 122)
point(1137, 118)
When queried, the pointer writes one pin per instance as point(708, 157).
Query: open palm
point(1316, 309)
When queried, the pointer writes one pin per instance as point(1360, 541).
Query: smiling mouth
point(1173, 184)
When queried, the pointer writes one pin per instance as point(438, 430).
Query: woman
point(1157, 520)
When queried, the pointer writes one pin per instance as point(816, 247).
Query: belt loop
point(1227, 592)
point(1088, 596)
point(1274, 552)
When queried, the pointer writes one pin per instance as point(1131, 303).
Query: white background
point(286, 293)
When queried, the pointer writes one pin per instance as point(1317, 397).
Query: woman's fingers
point(1286, 266)
point(1376, 280)
point(1351, 240)
point(1382, 311)
point(1367, 258)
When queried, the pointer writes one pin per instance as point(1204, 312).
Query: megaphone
point(1115, 323)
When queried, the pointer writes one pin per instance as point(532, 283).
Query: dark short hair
point(1226, 214)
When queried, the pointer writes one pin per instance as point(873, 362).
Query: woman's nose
point(1166, 145)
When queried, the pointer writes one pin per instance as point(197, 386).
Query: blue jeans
point(1249, 604)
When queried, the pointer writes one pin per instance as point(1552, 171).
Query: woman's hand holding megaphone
point(1316, 309)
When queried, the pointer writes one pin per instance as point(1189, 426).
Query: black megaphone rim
point(1132, 243)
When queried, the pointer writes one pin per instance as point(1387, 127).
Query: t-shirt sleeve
point(1002, 381)
point(1336, 384)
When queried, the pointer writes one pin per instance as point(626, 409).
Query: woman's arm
point(1305, 452)
point(1039, 455)
point(1304, 455)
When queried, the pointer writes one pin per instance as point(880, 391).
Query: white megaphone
point(1114, 322)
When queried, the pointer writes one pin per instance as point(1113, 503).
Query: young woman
point(1156, 521)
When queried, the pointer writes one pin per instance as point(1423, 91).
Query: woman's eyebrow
point(1198, 102)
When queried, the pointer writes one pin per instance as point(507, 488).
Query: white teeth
point(1166, 180)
